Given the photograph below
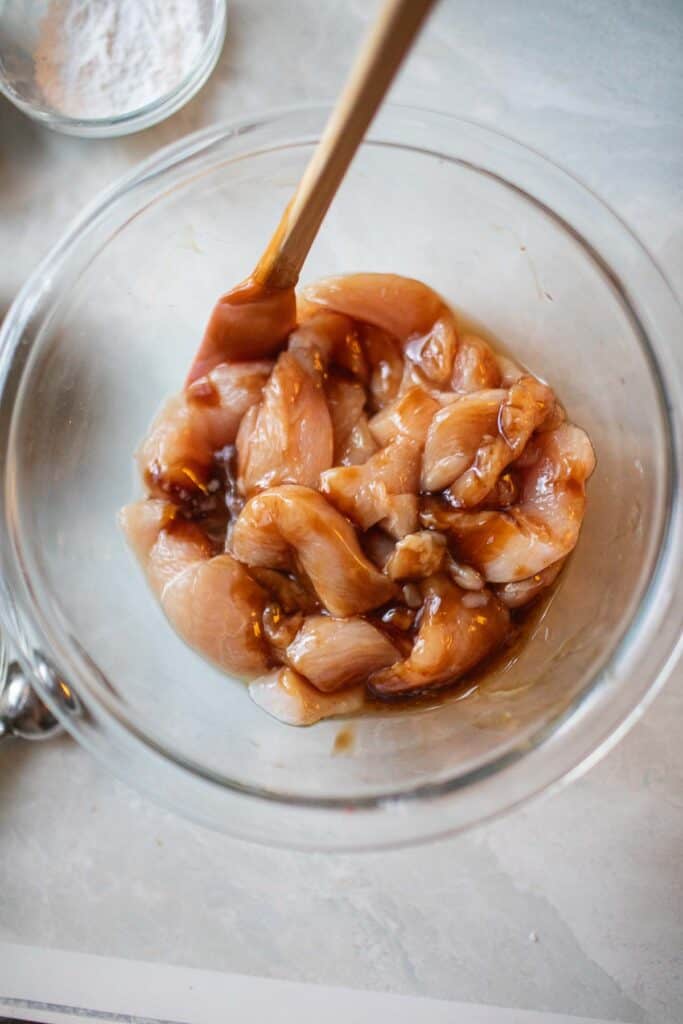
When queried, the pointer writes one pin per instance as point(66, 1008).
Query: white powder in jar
point(105, 58)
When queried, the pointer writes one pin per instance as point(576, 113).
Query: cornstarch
point(105, 58)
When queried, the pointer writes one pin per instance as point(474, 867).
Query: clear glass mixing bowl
point(104, 330)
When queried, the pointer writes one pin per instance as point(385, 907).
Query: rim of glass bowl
point(560, 749)
point(141, 117)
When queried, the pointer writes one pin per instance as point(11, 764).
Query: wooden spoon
point(252, 320)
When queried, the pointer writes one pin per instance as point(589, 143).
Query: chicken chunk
point(288, 437)
point(287, 696)
point(452, 637)
point(289, 526)
point(211, 600)
point(175, 459)
point(335, 653)
point(382, 490)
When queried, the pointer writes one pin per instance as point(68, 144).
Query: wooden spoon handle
point(378, 61)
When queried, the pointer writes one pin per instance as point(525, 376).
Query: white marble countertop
point(574, 904)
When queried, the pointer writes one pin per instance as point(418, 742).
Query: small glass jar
point(90, 69)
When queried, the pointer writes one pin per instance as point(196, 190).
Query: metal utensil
point(22, 712)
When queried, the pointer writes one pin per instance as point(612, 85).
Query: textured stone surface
point(574, 904)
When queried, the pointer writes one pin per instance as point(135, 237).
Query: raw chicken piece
point(414, 378)
point(212, 602)
point(384, 488)
point(510, 371)
point(376, 492)
point(401, 306)
point(360, 349)
point(335, 653)
point(452, 637)
point(400, 514)
point(287, 438)
point(435, 351)
point(408, 416)
point(334, 336)
point(280, 628)
point(505, 491)
point(526, 405)
point(175, 459)
point(291, 592)
point(249, 322)
point(216, 608)
point(359, 445)
point(385, 359)
point(285, 695)
point(543, 528)
point(416, 556)
point(291, 525)
point(378, 546)
point(455, 434)
point(142, 522)
point(346, 400)
point(475, 366)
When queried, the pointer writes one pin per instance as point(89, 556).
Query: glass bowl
point(30, 68)
point(104, 331)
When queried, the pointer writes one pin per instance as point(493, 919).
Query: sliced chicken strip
point(175, 459)
point(280, 628)
point(346, 401)
point(510, 371)
point(291, 525)
point(455, 435)
point(290, 591)
point(216, 608)
point(475, 366)
point(334, 336)
point(359, 445)
point(385, 360)
point(142, 523)
point(543, 528)
point(526, 405)
point(287, 696)
point(505, 491)
point(452, 637)
point(288, 437)
point(382, 490)
point(400, 514)
point(402, 306)
point(249, 322)
point(334, 653)
point(212, 602)
point(434, 352)
point(414, 378)
point(408, 416)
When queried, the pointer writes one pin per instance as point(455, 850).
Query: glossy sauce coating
point(354, 498)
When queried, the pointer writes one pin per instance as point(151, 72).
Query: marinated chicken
point(352, 499)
